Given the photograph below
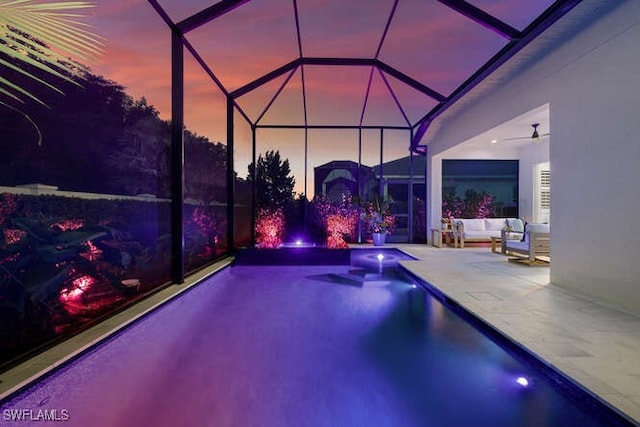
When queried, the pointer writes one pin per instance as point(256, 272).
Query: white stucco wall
point(590, 76)
point(596, 170)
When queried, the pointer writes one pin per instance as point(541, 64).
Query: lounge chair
point(536, 244)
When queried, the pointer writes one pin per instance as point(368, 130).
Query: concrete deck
point(596, 345)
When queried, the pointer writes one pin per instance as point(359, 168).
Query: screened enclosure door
point(398, 196)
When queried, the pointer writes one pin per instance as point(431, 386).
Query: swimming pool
point(351, 345)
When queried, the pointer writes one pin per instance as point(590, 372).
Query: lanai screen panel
point(205, 166)
point(255, 102)
point(248, 42)
point(436, 45)
point(518, 14)
point(288, 107)
point(414, 103)
point(383, 107)
point(335, 95)
point(181, 9)
point(342, 29)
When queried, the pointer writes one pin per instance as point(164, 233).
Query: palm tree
point(43, 35)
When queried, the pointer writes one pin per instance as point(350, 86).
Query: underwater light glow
point(380, 257)
point(298, 242)
point(523, 381)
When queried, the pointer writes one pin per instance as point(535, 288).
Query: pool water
point(352, 345)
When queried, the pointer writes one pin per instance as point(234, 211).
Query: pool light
point(380, 257)
point(299, 242)
point(523, 381)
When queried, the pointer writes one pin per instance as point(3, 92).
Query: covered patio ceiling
point(394, 64)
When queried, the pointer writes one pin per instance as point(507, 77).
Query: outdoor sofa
point(483, 229)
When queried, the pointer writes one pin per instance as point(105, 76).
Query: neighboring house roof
point(400, 167)
point(340, 164)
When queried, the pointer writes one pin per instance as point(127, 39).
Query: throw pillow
point(516, 224)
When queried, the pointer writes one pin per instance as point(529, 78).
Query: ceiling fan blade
point(519, 138)
point(527, 138)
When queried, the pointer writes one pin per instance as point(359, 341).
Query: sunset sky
point(426, 40)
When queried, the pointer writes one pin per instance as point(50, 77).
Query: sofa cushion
point(516, 224)
point(473, 224)
point(482, 234)
point(518, 245)
point(494, 224)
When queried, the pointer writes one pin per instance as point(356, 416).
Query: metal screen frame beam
point(395, 97)
point(411, 82)
point(177, 158)
point(231, 178)
point(275, 96)
point(208, 14)
point(265, 78)
point(481, 17)
point(254, 193)
point(344, 62)
point(366, 96)
point(332, 127)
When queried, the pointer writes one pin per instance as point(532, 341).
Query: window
point(543, 193)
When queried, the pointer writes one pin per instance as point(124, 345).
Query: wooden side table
point(450, 236)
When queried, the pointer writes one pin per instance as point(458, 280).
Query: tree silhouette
point(274, 185)
point(97, 138)
point(205, 168)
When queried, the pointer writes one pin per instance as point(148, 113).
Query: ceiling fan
point(535, 136)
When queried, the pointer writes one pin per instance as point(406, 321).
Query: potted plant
point(446, 223)
point(378, 220)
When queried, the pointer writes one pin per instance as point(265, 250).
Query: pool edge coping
point(494, 333)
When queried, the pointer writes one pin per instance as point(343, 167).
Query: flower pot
point(379, 238)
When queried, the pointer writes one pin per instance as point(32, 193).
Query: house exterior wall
point(596, 171)
point(588, 71)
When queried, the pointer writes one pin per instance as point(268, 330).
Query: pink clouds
point(427, 41)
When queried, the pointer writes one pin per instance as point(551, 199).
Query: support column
point(254, 183)
point(305, 212)
point(177, 158)
point(381, 183)
point(359, 180)
point(427, 202)
point(410, 195)
point(306, 158)
point(231, 179)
